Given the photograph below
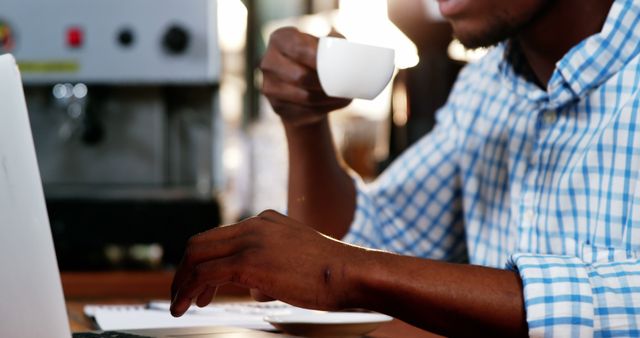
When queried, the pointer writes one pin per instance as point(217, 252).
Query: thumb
point(335, 34)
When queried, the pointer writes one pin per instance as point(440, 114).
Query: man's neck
point(563, 25)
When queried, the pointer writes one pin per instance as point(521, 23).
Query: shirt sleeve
point(414, 207)
point(564, 296)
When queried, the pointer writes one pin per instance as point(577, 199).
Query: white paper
point(154, 319)
point(249, 315)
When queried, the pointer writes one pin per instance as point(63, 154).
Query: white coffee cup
point(353, 70)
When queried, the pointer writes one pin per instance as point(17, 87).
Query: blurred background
point(148, 121)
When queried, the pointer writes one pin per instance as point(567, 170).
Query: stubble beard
point(501, 28)
point(490, 37)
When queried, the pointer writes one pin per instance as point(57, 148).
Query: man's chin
point(477, 38)
point(473, 42)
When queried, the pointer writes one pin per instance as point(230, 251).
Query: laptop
point(31, 299)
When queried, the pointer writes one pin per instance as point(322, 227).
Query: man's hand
point(286, 260)
point(270, 253)
point(290, 79)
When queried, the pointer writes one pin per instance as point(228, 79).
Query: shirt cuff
point(557, 295)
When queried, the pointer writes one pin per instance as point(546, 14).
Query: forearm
point(321, 193)
point(444, 298)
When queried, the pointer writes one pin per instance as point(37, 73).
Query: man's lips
point(450, 8)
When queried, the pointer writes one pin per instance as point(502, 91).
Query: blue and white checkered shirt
point(545, 182)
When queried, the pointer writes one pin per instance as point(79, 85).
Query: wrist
point(309, 138)
point(361, 274)
point(295, 127)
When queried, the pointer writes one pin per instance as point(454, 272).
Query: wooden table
point(83, 288)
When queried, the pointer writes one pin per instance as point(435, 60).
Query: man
point(534, 167)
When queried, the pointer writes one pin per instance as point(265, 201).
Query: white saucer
point(328, 324)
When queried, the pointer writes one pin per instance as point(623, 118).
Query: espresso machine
point(123, 102)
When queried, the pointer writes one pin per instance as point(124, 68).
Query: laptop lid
point(31, 299)
point(32, 304)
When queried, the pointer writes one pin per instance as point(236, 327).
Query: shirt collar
point(587, 65)
point(517, 76)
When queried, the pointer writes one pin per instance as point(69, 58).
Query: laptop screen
point(31, 301)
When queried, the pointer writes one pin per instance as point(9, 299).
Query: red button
point(75, 37)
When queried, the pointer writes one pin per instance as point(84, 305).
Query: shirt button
point(550, 117)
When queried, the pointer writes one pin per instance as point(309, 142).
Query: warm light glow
point(364, 21)
point(231, 96)
point(365, 11)
point(232, 25)
point(367, 21)
point(400, 105)
point(232, 158)
point(317, 25)
point(458, 52)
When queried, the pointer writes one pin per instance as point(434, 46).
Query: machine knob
point(176, 40)
point(126, 37)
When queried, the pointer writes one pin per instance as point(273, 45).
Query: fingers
point(200, 278)
point(207, 296)
point(298, 46)
point(212, 244)
point(220, 233)
point(284, 91)
point(274, 88)
point(230, 254)
point(275, 64)
point(225, 241)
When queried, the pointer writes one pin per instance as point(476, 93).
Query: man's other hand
point(290, 80)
